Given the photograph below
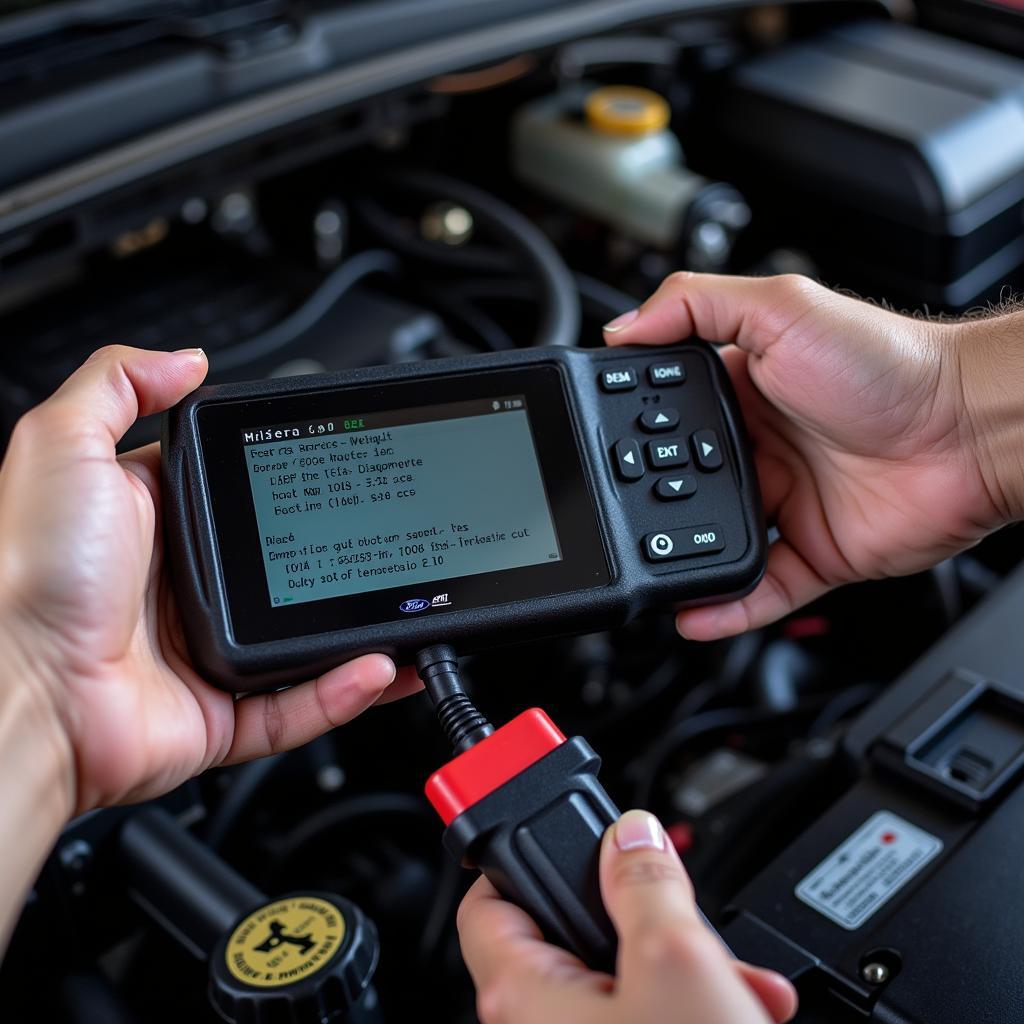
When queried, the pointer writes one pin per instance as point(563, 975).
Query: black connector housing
point(537, 838)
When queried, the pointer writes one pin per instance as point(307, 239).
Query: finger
point(492, 931)
point(405, 684)
point(116, 385)
point(144, 462)
point(518, 976)
point(271, 722)
point(763, 421)
point(668, 957)
point(789, 583)
point(143, 465)
point(775, 992)
point(750, 312)
point(644, 886)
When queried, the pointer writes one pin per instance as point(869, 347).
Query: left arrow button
point(628, 463)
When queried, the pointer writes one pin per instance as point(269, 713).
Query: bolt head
point(76, 857)
point(875, 973)
point(448, 223)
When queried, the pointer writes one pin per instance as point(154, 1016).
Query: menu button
point(621, 378)
point(663, 375)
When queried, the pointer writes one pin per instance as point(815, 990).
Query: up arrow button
point(658, 421)
point(706, 450)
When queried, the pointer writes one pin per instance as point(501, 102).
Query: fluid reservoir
point(607, 151)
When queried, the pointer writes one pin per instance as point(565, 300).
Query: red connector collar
point(479, 771)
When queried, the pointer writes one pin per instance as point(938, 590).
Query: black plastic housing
point(624, 514)
point(950, 939)
point(537, 838)
point(895, 155)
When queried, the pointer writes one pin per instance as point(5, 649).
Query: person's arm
point(99, 703)
point(670, 966)
point(35, 784)
point(991, 364)
point(884, 443)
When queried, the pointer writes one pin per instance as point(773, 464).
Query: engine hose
point(560, 303)
point(334, 286)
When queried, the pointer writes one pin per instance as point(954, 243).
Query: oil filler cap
point(626, 110)
point(299, 959)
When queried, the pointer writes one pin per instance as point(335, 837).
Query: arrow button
point(628, 463)
point(706, 450)
point(672, 488)
point(656, 421)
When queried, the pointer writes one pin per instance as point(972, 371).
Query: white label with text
point(868, 869)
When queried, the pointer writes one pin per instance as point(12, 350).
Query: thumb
point(117, 384)
point(649, 897)
point(750, 312)
point(668, 957)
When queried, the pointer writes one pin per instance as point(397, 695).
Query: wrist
point(37, 783)
point(991, 368)
point(30, 718)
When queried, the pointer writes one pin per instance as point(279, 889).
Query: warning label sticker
point(870, 867)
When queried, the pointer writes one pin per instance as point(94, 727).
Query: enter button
point(668, 453)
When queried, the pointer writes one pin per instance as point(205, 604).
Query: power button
point(690, 542)
point(661, 545)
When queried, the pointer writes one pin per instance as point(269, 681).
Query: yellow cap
point(626, 110)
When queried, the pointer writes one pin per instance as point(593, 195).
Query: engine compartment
point(390, 229)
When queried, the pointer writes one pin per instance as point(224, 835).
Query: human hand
point(671, 967)
point(883, 443)
point(89, 631)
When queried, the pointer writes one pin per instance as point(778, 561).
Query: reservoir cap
point(301, 959)
point(626, 110)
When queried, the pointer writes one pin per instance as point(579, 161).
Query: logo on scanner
point(414, 604)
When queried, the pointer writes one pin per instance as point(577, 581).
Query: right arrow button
point(707, 451)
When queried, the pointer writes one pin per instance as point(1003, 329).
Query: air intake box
point(894, 155)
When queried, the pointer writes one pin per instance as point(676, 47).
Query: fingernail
point(197, 353)
point(620, 323)
point(392, 669)
point(638, 830)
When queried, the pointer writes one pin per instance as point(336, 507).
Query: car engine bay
point(435, 179)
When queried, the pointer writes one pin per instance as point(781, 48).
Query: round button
point(661, 544)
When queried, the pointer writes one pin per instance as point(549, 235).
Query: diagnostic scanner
point(476, 501)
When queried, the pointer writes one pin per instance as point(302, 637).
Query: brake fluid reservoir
point(608, 152)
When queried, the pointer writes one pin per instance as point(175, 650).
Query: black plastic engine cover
point(941, 752)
